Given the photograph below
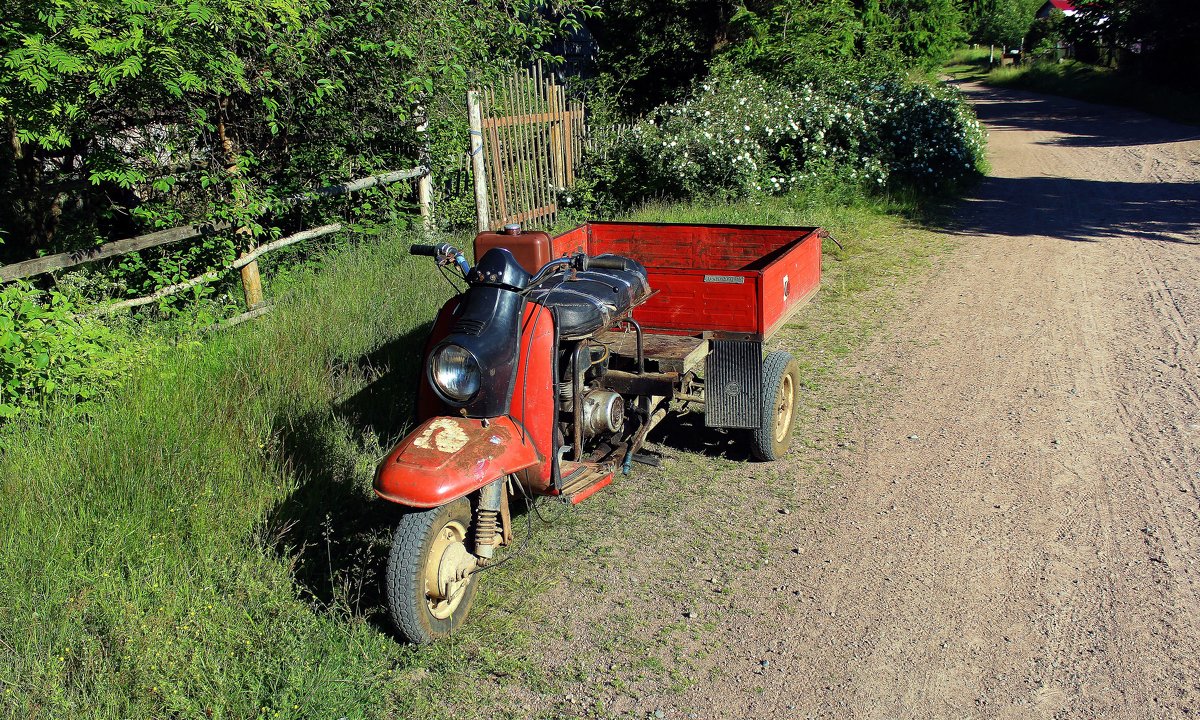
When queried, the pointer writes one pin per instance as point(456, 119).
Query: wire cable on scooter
point(530, 509)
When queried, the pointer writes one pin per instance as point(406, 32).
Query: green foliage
point(122, 116)
point(924, 31)
point(1002, 22)
point(1048, 34)
point(652, 53)
point(795, 31)
point(49, 353)
point(740, 135)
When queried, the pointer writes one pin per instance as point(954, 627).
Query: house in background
point(1045, 20)
point(1066, 7)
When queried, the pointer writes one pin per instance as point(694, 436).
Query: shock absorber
point(487, 518)
point(487, 524)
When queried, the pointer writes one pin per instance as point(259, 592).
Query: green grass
point(204, 544)
point(1081, 81)
point(969, 64)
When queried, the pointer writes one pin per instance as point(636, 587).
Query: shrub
point(49, 352)
point(740, 135)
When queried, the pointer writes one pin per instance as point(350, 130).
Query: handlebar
point(445, 254)
point(610, 262)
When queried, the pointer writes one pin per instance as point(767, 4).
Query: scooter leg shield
point(448, 457)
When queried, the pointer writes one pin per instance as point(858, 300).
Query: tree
point(1162, 32)
point(651, 51)
point(778, 33)
point(925, 31)
point(127, 114)
point(1002, 22)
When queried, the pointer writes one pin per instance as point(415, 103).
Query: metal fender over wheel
point(428, 585)
point(781, 383)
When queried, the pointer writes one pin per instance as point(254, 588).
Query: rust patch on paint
point(444, 435)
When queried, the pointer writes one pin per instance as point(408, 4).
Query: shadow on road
point(1081, 210)
point(1080, 124)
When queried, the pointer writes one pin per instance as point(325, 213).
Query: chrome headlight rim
point(470, 367)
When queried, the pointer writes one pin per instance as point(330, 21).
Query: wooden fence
point(249, 259)
point(526, 142)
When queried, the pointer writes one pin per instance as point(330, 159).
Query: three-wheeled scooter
point(545, 376)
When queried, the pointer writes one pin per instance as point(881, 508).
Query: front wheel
point(781, 383)
point(429, 585)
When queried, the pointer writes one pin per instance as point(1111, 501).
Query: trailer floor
point(1013, 530)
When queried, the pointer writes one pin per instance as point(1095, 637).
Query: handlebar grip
point(427, 250)
point(607, 262)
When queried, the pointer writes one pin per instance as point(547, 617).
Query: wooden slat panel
point(534, 138)
point(535, 213)
point(533, 118)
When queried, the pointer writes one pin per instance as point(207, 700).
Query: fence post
point(251, 279)
point(425, 183)
point(477, 171)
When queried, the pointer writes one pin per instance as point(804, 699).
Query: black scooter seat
point(590, 301)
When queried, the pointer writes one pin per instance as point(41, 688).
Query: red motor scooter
point(540, 380)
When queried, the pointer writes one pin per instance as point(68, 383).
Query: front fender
point(448, 457)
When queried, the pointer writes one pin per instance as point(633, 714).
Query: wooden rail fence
point(62, 261)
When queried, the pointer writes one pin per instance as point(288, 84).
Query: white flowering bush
point(740, 135)
point(925, 134)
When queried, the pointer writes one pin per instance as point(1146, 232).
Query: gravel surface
point(1014, 528)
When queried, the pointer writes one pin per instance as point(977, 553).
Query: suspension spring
point(487, 526)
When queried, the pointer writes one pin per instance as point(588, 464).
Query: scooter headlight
point(455, 372)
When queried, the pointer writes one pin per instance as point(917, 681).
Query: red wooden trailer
point(737, 282)
point(720, 291)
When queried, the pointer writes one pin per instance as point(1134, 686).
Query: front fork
point(490, 527)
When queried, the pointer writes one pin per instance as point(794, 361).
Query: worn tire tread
point(762, 438)
point(404, 594)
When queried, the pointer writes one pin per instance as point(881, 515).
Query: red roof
point(1063, 5)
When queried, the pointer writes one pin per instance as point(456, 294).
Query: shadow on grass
point(688, 433)
point(332, 529)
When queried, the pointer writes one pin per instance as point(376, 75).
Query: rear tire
point(781, 385)
point(423, 541)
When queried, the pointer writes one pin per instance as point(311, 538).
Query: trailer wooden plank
point(672, 353)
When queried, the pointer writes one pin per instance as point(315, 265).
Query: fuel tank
point(532, 249)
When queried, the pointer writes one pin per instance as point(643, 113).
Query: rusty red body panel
point(449, 457)
point(535, 397)
point(533, 412)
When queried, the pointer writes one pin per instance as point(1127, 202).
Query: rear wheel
point(429, 586)
point(781, 384)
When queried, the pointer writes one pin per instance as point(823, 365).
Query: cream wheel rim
point(785, 402)
point(447, 570)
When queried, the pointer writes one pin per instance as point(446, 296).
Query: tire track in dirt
point(1014, 532)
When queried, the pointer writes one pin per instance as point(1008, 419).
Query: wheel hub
point(448, 570)
point(784, 408)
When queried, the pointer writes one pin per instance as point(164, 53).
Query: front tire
point(781, 386)
point(425, 599)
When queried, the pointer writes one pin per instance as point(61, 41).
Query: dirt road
point(1017, 532)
